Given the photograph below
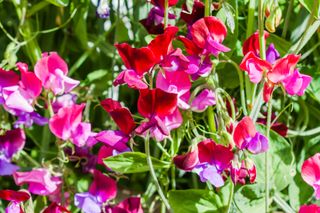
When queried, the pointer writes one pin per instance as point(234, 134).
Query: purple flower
point(103, 10)
point(272, 54)
point(28, 119)
point(203, 100)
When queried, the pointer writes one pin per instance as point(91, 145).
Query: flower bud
point(273, 14)
point(244, 172)
point(188, 160)
point(226, 139)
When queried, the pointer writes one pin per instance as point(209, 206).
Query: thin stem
point(207, 8)
point(211, 121)
point(30, 159)
point(262, 42)
point(166, 13)
point(153, 174)
point(250, 22)
point(266, 156)
point(230, 197)
point(293, 133)
point(283, 204)
point(286, 23)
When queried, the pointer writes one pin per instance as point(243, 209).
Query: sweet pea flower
point(297, 83)
point(65, 100)
point(252, 43)
point(137, 61)
point(313, 208)
point(154, 21)
point(18, 94)
point(204, 99)
point(103, 10)
point(213, 160)
point(16, 198)
point(102, 189)
point(188, 160)
point(156, 105)
point(55, 208)
point(240, 173)
point(194, 15)
point(66, 124)
point(247, 137)
point(177, 83)
point(11, 143)
point(310, 173)
point(129, 205)
point(40, 181)
point(198, 67)
point(207, 36)
point(52, 70)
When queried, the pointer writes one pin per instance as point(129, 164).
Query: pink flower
point(204, 99)
point(188, 160)
point(66, 124)
point(177, 83)
point(40, 181)
point(156, 105)
point(103, 188)
point(313, 208)
point(208, 33)
point(296, 83)
point(17, 96)
point(310, 173)
point(240, 173)
point(247, 137)
point(129, 205)
point(52, 70)
point(55, 208)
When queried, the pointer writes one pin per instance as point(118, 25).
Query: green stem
point(286, 23)
point(230, 196)
point(207, 8)
point(166, 13)
point(283, 204)
point(30, 159)
point(242, 92)
point(261, 30)
point(211, 121)
point(293, 133)
point(267, 193)
point(250, 22)
point(153, 174)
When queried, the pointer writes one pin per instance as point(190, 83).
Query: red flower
point(121, 115)
point(252, 43)
point(14, 196)
point(188, 160)
point(55, 208)
point(196, 13)
point(160, 3)
point(138, 59)
point(161, 46)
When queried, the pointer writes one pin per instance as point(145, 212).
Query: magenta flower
point(65, 100)
point(313, 208)
point(66, 124)
point(55, 208)
point(240, 173)
point(156, 105)
point(198, 67)
point(213, 160)
point(310, 173)
point(188, 160)
point(40, 181)
point(10, 143)
point(52, 70)
point(17, 96)
point(176, 83)
point(129, 205)
point(296, 83)
point(102, 189)
point(204, 99)
point(247, 137)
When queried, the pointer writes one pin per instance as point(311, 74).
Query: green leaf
point(309, 4)
point(198, 200)
point(299, 192)
point(280, 155)
point(59, 3)
point(133, 162)
point(250, 198)
point(229, 11)
point(189, 4)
